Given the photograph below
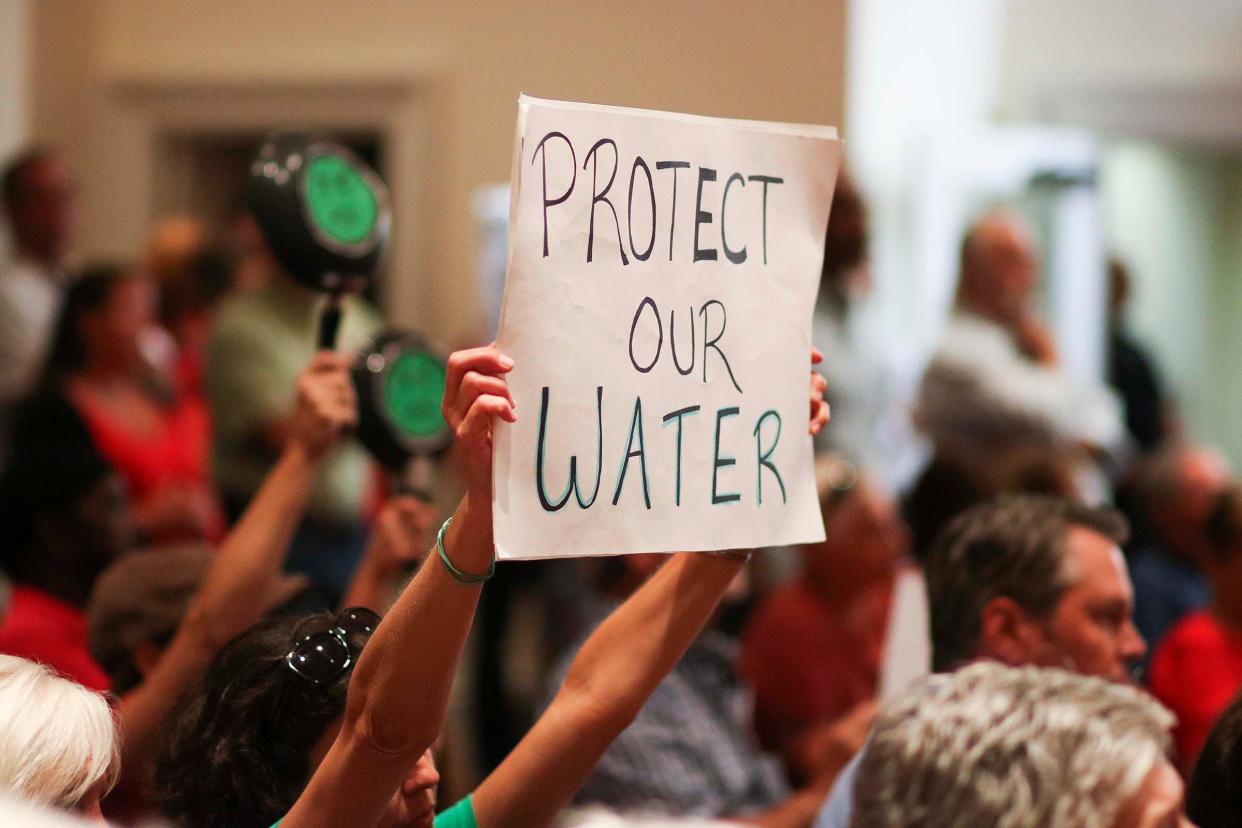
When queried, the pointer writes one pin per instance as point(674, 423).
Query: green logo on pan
point(413, 388)
point(342, 203)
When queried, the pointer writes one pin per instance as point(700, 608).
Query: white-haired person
point(1024, 580)
point(1019, 747)
point(58, 740)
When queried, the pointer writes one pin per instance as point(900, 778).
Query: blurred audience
point(196, 673)
point(193, 275)
point(1132, 372)
point(1175, 489)
point(994, 382)
point(1197, 669)
point(40, 209)
point(691, 751)
point(249, 747)
point(1214, 794)
point(63, 507)
point(997, 746)
point(1024, 580)
point(868, 425)
point(260, 341)
point(950, 485)
point(1034, 580)
point(70, 520)
point(155, 437)
point(58, 741)
point(812, 650)
point(140, 600)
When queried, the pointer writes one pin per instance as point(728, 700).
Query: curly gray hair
point(1009, 747)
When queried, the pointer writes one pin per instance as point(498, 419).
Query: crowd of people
point(218, 612)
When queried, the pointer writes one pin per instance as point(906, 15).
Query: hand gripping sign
point(661, 279)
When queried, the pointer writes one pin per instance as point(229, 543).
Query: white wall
point(919, 75)
point(467, 62)
point(1150, 68)
point(1163, 81)
point(14, 33)
point(1161, 212)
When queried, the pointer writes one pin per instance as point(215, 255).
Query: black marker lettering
point(702, 217)
point(735, 256)
point(672, 215)
point(719, 462)
point(636, 424)
point(572, 485)
point(597, 196)
point(672, 341)
point(711, 343)
point(678, 415)
point(647, 301)
point(763, 454)
point(629, 209)
point(573, 168)
point(766, 179)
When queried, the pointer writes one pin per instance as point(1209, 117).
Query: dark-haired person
point(69, 542)
point(39, 206)
point(275, 726)
point(158, 441)
point(65, 520)
point(1025, 580)
point(1214, 793)
point(1197, 669)
point(140, 600)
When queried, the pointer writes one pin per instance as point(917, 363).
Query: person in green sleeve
point(327, 721)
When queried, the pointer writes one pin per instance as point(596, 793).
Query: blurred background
point(1113, 128)
point(1114, 124)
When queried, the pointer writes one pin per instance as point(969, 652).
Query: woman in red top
point(157, 439)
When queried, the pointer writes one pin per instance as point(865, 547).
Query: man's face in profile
point(1091, 631)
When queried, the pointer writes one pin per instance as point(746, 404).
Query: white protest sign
point(661, 279)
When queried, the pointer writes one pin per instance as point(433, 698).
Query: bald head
point(998, 268)
point(1180, 485)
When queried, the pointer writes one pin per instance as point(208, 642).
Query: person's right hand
point(475, 391)
point(326, 404)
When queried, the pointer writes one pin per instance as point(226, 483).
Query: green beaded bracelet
point(458, 575)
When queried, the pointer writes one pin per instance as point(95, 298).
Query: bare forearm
point(253, 552)
point(629, 654)
point(436, 610)
point(398, 695)
point(372, 587)
point(799, 811)
point(228, 601)
point(614, 673)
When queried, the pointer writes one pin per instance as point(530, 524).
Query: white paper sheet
point(603, 298)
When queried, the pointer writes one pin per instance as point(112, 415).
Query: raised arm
point(618, 667)
point(398, 694)
point(610, 680)
point(251, 555)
